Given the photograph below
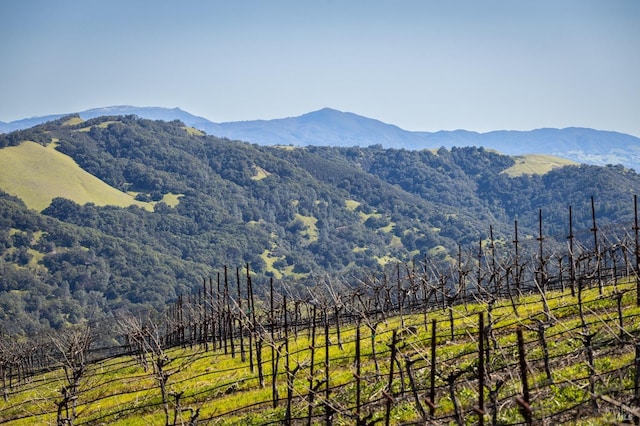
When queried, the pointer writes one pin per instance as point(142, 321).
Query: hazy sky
point(422, 65)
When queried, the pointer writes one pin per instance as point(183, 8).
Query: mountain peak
point(333, 113)
point(325, 110)
point(326, 114)
point(331, 127)
point(348, 121)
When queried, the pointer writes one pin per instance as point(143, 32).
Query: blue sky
point(423, 65)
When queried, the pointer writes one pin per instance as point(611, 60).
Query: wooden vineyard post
point(637, 249)
point(212, 315)
point(229, 320)
point(481, 361)
point(189, 322)
point(614, 265)
point(327, 343)
point(451, 324)
point(337, 316)
point(177, 323)
point(479, 277)
point(296, 317)
point(399, 295)
point(205, 331)
point(287, 365)
point(432, 378)
point(516, 260)
point(561, 275)
point(414, 389)
point(170, 329)
point(312, 349)
point(181, 320)
point(524, 401)
point(199, 318)
point(193, 313)
point(545, 349)
point(596, 248)
point(241, 320)
point(372, 328)
point(222, 338)
point(274, 364)
point(636, 379)
point(389, 391)
point(488, 334)
point(462, 284)
point(587, 340)
point(357, 375)
point(494, 273)
point(193, 309)
point(254, 327)
point(619, 296)
point(542, 278)
point(249, 318)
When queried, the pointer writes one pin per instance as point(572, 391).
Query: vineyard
point(513, 331)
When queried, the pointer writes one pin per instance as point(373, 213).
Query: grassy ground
point(536, 164)
point(225, 390)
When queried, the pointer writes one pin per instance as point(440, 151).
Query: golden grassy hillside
point(536, 164)
point(38, 174)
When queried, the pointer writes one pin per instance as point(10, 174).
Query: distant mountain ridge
point(151, 113)
point(330, 127)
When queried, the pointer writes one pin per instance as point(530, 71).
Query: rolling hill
point(329, 127)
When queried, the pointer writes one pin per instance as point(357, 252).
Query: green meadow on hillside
point(46, 174)
point(568, 382)
point(536, 164)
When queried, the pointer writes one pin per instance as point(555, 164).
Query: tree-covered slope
point(291, 213)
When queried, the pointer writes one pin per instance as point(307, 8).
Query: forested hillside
point(292, 213)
